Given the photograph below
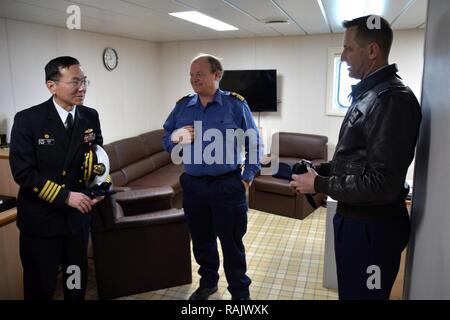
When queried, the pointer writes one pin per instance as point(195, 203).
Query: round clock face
point(110, 58)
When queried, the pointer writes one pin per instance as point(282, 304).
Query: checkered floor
point(284, 257)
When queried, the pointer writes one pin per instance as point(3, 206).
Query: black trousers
point(217, 207)
point(368, 253)
point(41, 259)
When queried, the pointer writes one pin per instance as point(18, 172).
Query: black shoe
point(202, 293)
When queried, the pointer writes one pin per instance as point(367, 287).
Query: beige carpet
point(284, 257)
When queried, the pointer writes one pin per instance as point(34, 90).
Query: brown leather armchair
point(140, 243)
point(274, 195)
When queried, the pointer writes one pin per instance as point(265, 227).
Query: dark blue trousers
point(368, 253)
point(217, 207)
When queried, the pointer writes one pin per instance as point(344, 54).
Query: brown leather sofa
point(140, 241)
point(274, 195)
point(140, 162)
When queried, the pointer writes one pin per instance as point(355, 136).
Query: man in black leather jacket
point(367, 173)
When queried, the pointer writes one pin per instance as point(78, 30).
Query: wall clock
point(110, 59)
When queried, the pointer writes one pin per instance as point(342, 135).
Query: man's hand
point(81, 202)
point(304, 183)
point(97, 200)
point(185, 135)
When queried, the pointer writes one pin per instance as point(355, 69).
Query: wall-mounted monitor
point(258, 87)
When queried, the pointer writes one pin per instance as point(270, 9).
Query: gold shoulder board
point(237, 96)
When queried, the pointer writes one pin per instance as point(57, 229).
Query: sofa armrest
point(119, 189)
point(151, 218)
point(134, 206)
point(136, 194)
point(266, 160)
point(136, 202)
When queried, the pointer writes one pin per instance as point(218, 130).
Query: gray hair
point(213, 61)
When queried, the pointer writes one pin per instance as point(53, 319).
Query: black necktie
point(69, 124)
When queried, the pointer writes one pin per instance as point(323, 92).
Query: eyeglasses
point(76, 83)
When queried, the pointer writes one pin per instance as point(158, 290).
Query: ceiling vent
point(275, 21)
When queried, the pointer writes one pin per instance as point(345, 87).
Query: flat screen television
point(258, 87)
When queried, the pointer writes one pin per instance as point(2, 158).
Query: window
point(339, 84)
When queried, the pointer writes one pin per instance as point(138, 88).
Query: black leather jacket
point(376, 146)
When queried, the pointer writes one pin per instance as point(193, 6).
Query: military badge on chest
point(46, 141)
point(89, 136)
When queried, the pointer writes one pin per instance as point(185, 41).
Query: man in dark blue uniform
point(209, 127)
point(367, 173)
point(48, 143)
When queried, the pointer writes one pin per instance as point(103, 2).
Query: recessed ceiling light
point(351, 9)
point(203, 20)
point(375, 7)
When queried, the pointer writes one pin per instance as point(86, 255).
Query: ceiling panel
point(269, 14)
point(307, 14)
point(260, 9)
point(36, 12)
point(389, 9)
point(416, 15)
point(287, 29)
point(163, 7)
point(149, 19)
point(339, 10)
point(157, 22)
point(129, 19)
point(228, 12)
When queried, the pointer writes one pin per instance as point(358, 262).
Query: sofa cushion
point(118, 178)
point(113, 159)
point(138, 169)
point(166, 176)
point(153, 141)
point(273, 185)
point(130, 150)
point(302, 146)
point(161, 159)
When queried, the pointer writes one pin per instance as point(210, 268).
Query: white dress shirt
point(63, 113)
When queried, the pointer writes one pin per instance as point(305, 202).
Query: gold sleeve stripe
point(55, 194)
point(50, 187)
point(90, 166)
point(44, 189)
point(50, 194)
point(86, 164)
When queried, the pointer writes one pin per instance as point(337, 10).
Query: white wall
point(127, 98)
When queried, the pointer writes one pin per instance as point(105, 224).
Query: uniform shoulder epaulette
point(387, 88)
point(185, 97)
point(237, 96)
point(384, 91)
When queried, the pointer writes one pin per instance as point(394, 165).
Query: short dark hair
point(52, 69)
point(383, 36)
point(213, 61)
